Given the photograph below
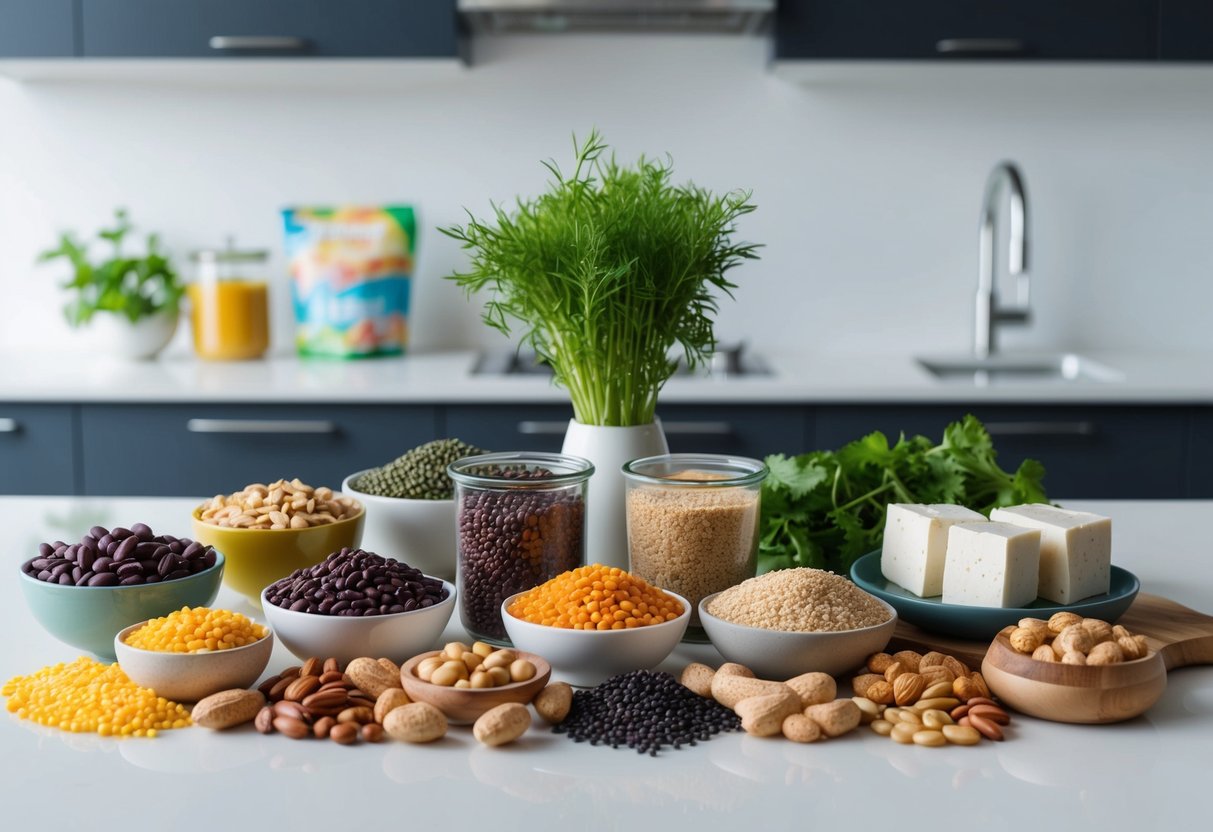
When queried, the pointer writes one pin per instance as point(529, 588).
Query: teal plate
point(983, 623)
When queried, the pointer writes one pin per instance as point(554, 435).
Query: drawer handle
point(275, 43)
point(529, 428)
point(1040, 428)
point(276, 426)
point(981, 46)
point(9, 426)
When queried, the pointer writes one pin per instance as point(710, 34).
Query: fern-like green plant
point(135, 287)
point(609, 274)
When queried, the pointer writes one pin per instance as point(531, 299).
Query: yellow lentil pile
point(196, 630)
point(596, 597)
point(87, 696)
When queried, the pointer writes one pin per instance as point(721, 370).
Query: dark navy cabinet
point(1200, 458)
point(192, 450)
point(1185, 30)
point(1088, 451)
point(38, 451)
point(942, 29)
point(743, 430)
point(243, 28)
point(37, 29)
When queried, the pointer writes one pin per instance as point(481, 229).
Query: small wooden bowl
point(463, 705)
point(1088, 694)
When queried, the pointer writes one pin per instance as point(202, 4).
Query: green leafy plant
point(135, 287)
point(610, 273)
point(825, 509)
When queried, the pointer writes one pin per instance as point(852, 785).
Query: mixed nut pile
point(1071, 639)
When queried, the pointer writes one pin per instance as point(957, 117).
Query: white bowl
point(420, 533)
point(779, 654)
point(588, 657)
point(188, 677)
point(397, 636)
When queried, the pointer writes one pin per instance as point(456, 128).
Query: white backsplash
point(868, 181)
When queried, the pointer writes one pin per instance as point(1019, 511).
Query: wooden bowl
point(463, 705)
point(1087, 694)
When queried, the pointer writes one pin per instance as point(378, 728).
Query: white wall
point(867, 182)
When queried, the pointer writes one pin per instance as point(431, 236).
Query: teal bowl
point(89, 617)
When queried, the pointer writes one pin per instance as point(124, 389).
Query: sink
point(1064, 368)
point(730, 363)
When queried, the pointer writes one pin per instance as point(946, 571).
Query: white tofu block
point(915, 543)
point(1075, 550)
point(991, 565)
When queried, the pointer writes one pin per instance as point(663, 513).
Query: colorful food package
point(350, 273)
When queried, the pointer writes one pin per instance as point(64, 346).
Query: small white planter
point(606, 531)
point(114, 334)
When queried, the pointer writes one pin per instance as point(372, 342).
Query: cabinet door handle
point(1040, 428)
point(277, 426)
point(9, 426)
point(529, 428)
point(981, 46)
point(274, 43)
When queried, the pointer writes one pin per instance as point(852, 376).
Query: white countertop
point(1149, 773)
point(446, 378)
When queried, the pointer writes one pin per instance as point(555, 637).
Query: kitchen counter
point(440, 378)
point(1149, 773)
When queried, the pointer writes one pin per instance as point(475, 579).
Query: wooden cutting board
point(1183, 636)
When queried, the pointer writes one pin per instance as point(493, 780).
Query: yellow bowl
point(256, 558)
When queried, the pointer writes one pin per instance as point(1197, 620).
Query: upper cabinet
point(37, 29)
point(1185, 30)
point(1104, 30)
point(285, 28)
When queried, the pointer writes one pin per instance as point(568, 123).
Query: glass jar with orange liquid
point(229, 302)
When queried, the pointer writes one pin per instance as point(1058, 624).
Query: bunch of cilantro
point(827, 508)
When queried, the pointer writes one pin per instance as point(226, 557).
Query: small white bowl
point(420, 533)
point(397, 636)
point(589, 657)
point(779, 654)
point(188, 677)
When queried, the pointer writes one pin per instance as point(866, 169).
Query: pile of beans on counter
point(322, 699)
point(419, 474)
point(119, 557)
point(279, 505)
point(197, 630)
point(596, 597)
point(510, 540)
point(355, 582)
point(87, 696)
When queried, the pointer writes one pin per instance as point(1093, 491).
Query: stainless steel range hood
point(731, 16)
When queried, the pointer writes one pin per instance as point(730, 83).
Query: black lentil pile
point(647, 711)
point(512, 540)
point(354, 582)
point(119, 557)
point(419, 474)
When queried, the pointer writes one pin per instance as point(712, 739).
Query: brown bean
point(330, 676)
point(982, 700)
point(371, 732)
point(959, 711)
point(361, 715)
point(279, 688)
point(332, 665)
point(268, 685)
point(985, 727)
point(344, 733)
point(301, 687)
point(291, 672)
point(293, 710)
point(323, 699)
point(991, 713)
point(311, 667)
point(264, 721)
point(323, 726)
point(296, 729)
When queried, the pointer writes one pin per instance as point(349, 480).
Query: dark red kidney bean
point(44, 575)
point(65, 579)
point(176, 547)
point(76, 573)
point(70, 554)
point(61, 569)
point(126, 548)
point(86, 559)
point(131, 581)
point(103, 564)
point(128, 568)
point(97, 532)
point(166, 564)
point(146, 549)
point(46, 550)
point(191, 550)
point(104, 542)
point(40, 563)
point(120, 533)
point(85, 578)
point(152, 579)
point(103, 579)
point(177, 574)
point(142, 531)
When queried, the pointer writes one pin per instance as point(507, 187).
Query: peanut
point(835, 718)
point(728, 690)
point(502, 724)
point(734, 669)
point(698, 678)
point(763, 716)
point(227, 709)
point(418, 722)
point(799, 728)
point(554, 701)
point(813, 688)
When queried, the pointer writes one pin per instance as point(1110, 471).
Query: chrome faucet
point(989, 312)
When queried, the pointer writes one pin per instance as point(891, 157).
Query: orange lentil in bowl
point(596, 597)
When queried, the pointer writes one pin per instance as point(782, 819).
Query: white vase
point(113, 334)
point(606, 532)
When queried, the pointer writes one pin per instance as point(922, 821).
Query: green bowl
point(89, 617)
point(983, 623)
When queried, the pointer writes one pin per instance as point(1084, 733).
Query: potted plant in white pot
point(610, 276)
point(131, 303)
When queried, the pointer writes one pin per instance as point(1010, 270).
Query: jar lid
point(229, 254)
point(520, 470)
point(697, 470)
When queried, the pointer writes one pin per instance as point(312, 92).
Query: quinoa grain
point(799, 600)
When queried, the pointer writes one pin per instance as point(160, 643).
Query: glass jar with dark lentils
point(520, 521)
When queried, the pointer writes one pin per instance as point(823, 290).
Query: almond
point(301, 688)
point(907, 688)
point(227, 709)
